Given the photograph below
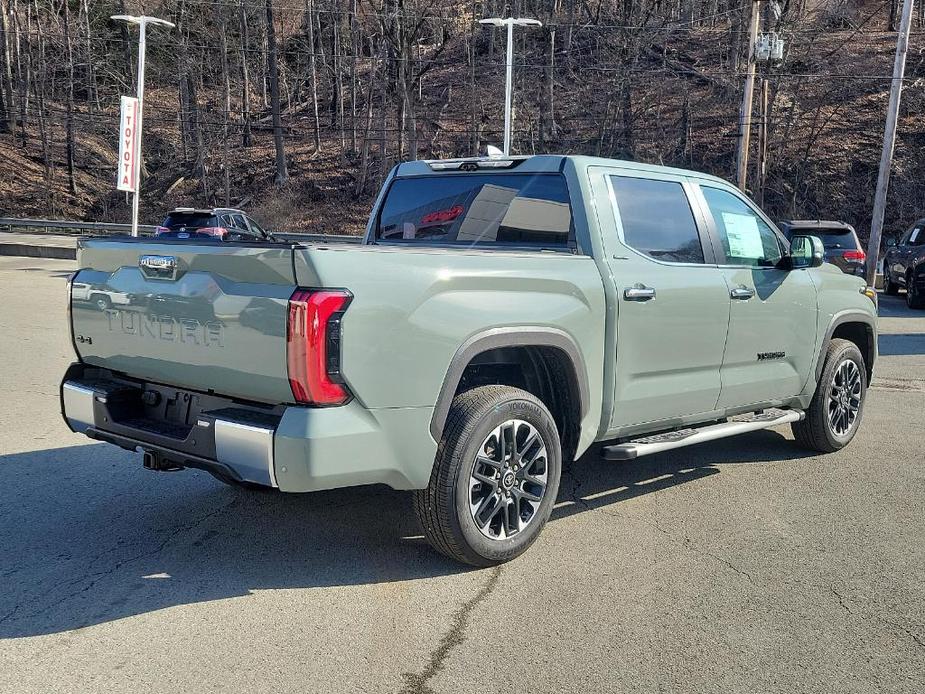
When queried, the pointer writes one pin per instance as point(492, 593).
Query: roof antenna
point(493, 152)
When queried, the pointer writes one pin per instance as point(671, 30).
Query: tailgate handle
point(158, 267)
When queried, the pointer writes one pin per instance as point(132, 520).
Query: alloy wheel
point(509, 479)
point(844, 398)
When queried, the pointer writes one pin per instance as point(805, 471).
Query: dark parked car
point(842, 246)
point(221, 223)
point(904, 265)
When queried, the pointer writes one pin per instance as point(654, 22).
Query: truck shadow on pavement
point(593, 482)
point(88, 536)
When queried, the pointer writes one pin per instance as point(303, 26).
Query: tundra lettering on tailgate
point(186, 330)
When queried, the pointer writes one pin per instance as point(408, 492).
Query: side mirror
point(806, 251)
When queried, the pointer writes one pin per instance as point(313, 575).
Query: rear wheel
point(914, 296)
point(495, 477)
point(834, 414)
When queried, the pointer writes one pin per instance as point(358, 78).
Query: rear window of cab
point(478, 209)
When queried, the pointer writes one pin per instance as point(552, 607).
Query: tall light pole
point(142, 21)
point(510, 22)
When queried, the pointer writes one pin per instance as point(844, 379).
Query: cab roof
point(538, 163)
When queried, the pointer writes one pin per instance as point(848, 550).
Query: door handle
point(639, 292)
point(742, 293)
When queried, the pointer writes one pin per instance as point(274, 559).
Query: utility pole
point(509, 64)
point(142, 21)
point(745, 113)
point(762, 140)
point(889, 140)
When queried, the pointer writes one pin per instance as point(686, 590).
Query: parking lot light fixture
point(510, 23)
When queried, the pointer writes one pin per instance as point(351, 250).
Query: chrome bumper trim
point(247, 449)
point(78, 406)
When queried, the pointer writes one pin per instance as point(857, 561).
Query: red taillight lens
point(854, 255)
point(161, 230)
point(313, 346)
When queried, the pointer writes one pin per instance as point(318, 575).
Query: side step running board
point(688, 437)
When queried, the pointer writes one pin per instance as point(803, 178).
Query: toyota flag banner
point(128, 147)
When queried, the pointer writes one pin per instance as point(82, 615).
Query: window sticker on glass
point(915, 235)
point(744, 235)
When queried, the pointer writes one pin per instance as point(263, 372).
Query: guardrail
point(62, 226)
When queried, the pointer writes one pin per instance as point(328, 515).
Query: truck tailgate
point(204, 316)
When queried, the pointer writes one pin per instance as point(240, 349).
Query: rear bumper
point(222, 442)
point(294, 449)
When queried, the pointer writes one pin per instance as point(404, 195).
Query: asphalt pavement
point(745, 565)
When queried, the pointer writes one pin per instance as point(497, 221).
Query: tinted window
point(256, 228)
point(832, 239)
point(239, 223)
point(657, 219)
point(190, 220)
point(746, 238)
point(477, 209)
point(835, 239)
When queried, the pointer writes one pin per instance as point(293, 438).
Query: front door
point(903, 253)
point(672, 305)
point(772, 324)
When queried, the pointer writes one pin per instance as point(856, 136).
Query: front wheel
point(495, 477)
point(889, 286)
point(834, 414)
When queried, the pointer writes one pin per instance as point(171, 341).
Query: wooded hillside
point(354, 86)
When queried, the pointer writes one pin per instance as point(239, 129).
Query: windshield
point(495, 209)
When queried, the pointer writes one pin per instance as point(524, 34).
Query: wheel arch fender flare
point(842, 318)
point(514, 336)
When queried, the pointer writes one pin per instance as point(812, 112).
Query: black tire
point(889, 286)
point(914, 297)
point(102, 301)
point(443, 509)
point(816, 430)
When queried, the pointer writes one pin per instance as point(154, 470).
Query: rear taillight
point(217, 232)
point(854, 255)
point(161, 230)
point(313, 338)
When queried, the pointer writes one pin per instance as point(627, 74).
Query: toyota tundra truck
point(500, 316)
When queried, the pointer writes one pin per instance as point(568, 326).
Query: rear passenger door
point(673, 304)
point(772, 323)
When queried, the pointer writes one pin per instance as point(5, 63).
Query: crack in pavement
point(841, 600)
point(689, 545)
point(96, 576)
point(416, 683)
point(918, 639)
point(573, 495)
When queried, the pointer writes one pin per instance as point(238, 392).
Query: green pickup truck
point(500, 316)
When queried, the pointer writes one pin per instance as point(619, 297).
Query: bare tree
point(282, 171)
